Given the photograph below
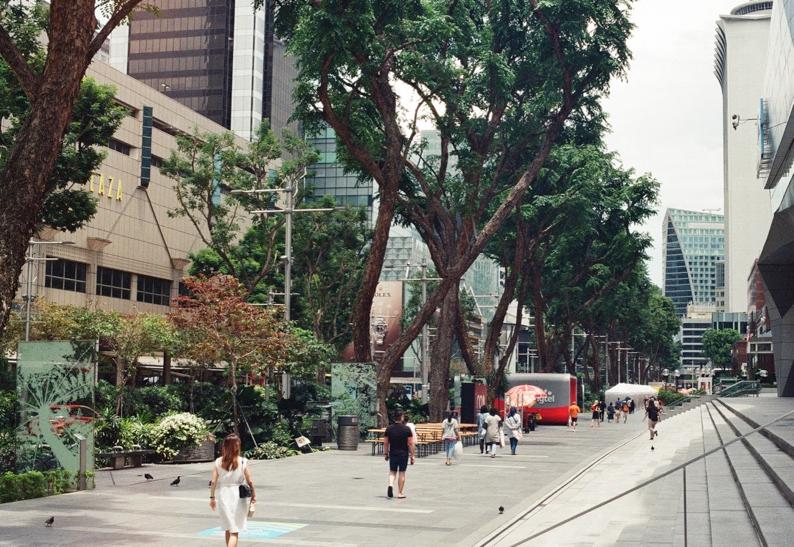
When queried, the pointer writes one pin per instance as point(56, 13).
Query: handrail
point(740, 387)
point(651, 480)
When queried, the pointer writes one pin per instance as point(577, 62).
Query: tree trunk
point(360, 318)
point(492, 338)
point(440, 356)
point(233, 382)
point(462, 335)
point(23, 181)
point(166, 368)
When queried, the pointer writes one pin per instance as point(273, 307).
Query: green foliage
point(8, 450)
point(270, 451)
point(717, 345)
point(95, 118)
point(34, 484)
point(156, 400)
point(669, 397)
point(176, 432)
point(8, 410)
point(306, 355)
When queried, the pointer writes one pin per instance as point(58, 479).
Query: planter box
point(205, 452)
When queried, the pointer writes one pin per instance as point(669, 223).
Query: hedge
point(33, 484)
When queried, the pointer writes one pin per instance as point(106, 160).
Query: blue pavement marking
point(259, 530)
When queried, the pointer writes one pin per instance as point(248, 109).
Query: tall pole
point(28, 290)
point(425, 337)
point(288, 250)
point(606, 357)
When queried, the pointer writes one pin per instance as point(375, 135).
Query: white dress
point(232, 509)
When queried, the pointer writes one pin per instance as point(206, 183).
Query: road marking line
point(266, 504)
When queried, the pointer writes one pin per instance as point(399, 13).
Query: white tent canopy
point(636, 391)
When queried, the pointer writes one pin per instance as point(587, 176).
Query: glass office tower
point(694, 245)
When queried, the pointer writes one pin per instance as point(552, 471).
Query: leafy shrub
point(8, 409)
point(134, 432)
point(34, 484)
point(270, 451)
point(176, 432)
point(8, 450)
point(669, 397)
point(156, 400)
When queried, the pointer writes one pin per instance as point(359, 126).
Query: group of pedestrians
point(492, 430)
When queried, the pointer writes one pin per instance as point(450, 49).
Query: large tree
point(717, 345)
point(74, 36)
point(497, 80)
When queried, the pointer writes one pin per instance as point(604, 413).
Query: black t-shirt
point(398, 435)
point(653, 412)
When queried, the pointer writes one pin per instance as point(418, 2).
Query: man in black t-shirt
point(398, 446)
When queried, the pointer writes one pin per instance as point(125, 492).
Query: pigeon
point(49, 522)
point(501, 509)
point(652, 448)
point(175, 482)
point(148, 477)
point(210, 483)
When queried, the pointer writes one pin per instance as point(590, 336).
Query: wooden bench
point(123, 459)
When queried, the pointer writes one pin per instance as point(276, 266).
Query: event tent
point(636, 391)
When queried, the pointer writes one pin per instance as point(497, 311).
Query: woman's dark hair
point(449, 417)
point(483, 409)
point(230, 451)
point(493, 411)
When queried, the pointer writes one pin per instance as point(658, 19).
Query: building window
point(65, 275)
point(118, 146)
point(113, 283)
point(153, 290)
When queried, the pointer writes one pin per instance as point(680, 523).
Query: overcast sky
point(666, 117)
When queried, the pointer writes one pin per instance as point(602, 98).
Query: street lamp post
point(677, 375)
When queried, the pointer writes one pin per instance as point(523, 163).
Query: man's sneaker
point(390, 492)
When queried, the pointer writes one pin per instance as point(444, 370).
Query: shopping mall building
point(132, 254)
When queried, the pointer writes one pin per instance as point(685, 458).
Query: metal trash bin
point(320, 432)
point(347, 435)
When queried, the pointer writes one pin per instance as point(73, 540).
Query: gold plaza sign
point(105, 185)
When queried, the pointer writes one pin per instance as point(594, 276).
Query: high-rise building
point(327, 177)
point(740, 64)
point(219, 58)
point(776, 260)
point(693, 245)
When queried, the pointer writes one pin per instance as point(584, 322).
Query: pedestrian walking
point(595, 408)
point(492, 431)
point(632, 406)
point(625, 410)
point(398, 446)
point(532, 421)
point(481, 427)
point(229, 472)
point(573, 416)
point(610, 413)
point(450, 435)
point(602, 408)
point(513, 429)
point(652, 413)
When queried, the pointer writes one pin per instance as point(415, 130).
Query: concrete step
point(768, 507)
point(777, 464)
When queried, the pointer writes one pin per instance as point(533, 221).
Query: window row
point(68, 275)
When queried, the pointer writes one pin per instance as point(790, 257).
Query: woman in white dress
point(228, 473)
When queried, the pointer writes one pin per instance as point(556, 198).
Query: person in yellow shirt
point(573, 415)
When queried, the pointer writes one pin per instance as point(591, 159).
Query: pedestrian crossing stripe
point(258, 530)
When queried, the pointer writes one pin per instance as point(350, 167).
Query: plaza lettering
point(106, 186)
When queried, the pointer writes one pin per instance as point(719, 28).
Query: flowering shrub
point(176, 432)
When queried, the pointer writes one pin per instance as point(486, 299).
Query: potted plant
point(183, 437)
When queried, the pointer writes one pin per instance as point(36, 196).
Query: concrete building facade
point(740, 65)
point(132, 254)
point(776, 260)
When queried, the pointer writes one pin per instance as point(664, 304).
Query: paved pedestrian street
point(327, 498)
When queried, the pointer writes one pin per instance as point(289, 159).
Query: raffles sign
point(105, 186)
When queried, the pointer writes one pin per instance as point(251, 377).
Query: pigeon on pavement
point(175, 482)
point(501, 509)
point(148, 477)
point(210, 484)
point(49, 522)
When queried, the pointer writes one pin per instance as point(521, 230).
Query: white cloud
point(666, 117)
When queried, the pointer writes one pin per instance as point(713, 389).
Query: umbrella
point(524, 395)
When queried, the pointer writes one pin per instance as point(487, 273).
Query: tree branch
point(28, 80)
